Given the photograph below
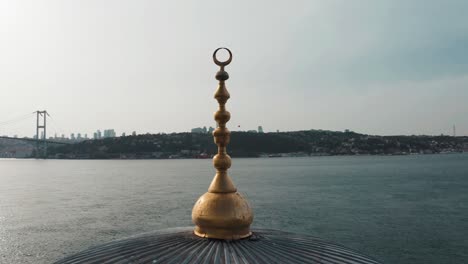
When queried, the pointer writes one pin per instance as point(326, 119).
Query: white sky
point(376, 67)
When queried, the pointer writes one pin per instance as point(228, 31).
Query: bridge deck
point(36, 140)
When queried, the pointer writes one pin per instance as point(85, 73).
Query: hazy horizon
point(381, 68)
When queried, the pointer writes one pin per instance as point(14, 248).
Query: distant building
point(98, 133)
point(72, 136)
point(123, 134)
point(202, 130)
point(86, 136)
point(198, 130)
point(134, 133)
point(185, 151)
point(78, 136)
point(109, 133)
point(260, 129)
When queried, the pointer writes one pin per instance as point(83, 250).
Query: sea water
point(398, 209)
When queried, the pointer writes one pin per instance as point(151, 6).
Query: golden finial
point(222, 212)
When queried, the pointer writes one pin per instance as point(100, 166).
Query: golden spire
point(222, 212)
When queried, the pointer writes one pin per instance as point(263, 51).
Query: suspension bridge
point(40, 139)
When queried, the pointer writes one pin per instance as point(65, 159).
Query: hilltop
point(250, 144)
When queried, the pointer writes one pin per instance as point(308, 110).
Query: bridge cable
point(16, 119)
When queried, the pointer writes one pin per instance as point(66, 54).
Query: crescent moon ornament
point(219, 63)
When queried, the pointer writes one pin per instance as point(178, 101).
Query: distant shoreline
point(242, 144)
point(259, 157)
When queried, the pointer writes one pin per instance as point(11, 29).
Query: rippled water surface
point(400, 209)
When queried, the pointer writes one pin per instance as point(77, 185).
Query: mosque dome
point(181, 245)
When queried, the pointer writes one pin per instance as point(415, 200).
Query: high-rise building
point(72, 136)
point(78, 136)
point(108, 133)
point(134, 133)
point(260, 129)
point(123, 134)
point(98, 134)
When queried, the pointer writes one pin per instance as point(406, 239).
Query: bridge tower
point(41, 143)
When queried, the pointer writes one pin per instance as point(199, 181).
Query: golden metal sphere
point(222, 216)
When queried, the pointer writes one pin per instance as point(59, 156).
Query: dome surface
point(180, 245)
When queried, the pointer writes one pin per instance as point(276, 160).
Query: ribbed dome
point(180, 245)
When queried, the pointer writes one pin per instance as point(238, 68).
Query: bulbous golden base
point(222, 216)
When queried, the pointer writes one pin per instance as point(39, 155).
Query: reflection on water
point(398, 209)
